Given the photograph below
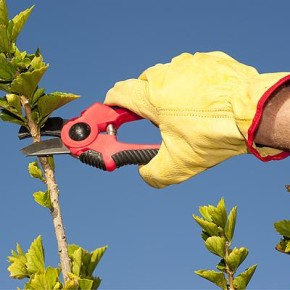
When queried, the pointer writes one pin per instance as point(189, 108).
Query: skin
point(274, 128)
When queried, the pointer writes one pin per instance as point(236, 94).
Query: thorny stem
point(229, 272)
point(54, 194)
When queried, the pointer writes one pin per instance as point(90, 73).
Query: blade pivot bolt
point(79, 131)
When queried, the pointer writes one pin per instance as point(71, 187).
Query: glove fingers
point(164, 169)
point(132, 94)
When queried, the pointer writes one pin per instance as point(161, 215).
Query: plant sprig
point(31, 265)
point(217, 232)
point(283, 228)
point(27, 104)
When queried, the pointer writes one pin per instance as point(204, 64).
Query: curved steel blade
point(46, 147)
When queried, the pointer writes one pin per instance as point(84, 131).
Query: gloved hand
point(207, 107)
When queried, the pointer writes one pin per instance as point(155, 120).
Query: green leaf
point(242, 280)
point(17, 266)
point(5, 87)
point(49, 103)
point(215, 277)
point(96, 256)
point(35, 171)
point(16, 24)
point(236, 258)
point(20, 60)
point(287, 248)
point(14, 102)
point(57, 286)
point(283, 245)
point(204, 211)
point(38, 281)
point(19, 250)
point(71, 249)
point(204, 235)
point(72, 284)
point(7, 70)
point(43, 198)
point(85, 284)
point(7, 116)
point(3, 13)
point(77, 261)
point(96, 282)
point(216, 245)
point(35, 257)
point(231, 223)
point(4, 40)
point(35, 116)
point(4, 103)
point(219, 213)
point(283, 228)
point(209, 227)
point(38, 93)
point(84, 262)
point(11, 105)
point(37, 62)
point(26, 83)
point(52, 275)
point(222, 266)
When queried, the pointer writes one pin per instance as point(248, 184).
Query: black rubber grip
point(93, 158)
point(140, 157)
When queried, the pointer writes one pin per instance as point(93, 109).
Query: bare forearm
point(274, 128)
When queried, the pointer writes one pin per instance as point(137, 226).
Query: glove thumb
point(164, 169)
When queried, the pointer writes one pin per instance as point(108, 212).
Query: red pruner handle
point(99, 116)
point(87, 137)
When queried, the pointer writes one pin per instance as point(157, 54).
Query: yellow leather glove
point(207, 106)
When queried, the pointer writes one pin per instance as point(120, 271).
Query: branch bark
point(229, 272)
point(52, 187)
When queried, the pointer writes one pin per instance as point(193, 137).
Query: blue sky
point(153, 241)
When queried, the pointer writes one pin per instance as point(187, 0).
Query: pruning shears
point(92, 138)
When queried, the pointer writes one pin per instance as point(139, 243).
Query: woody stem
point(53, 190)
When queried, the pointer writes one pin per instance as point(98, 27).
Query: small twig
point(229, 272)
point(54, 194)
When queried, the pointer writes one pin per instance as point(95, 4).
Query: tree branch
point(53, 191)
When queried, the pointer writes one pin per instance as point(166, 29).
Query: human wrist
point(274, 128)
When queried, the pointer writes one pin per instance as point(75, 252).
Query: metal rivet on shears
point(79, 131)
point(111, 130)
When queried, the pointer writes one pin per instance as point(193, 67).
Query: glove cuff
point(265, 153)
